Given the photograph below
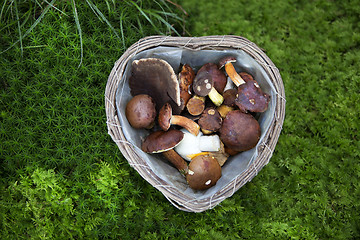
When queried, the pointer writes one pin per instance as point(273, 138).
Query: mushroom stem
point(224, 109)
point(234, 76)
point(186, 123)
point(215, 97)
point(176, 160)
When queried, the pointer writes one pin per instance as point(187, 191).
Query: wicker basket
point(177, 196)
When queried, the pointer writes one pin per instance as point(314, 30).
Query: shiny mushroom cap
point(240, 131)
point(202, 84)
point(228, 59)
point(161, 141)
point(210, 120)
point(218, 76)
point(250, 97)
point(204, 171)
point(140, 111)
point(155, 77)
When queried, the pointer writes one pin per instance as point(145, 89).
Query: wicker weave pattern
point(265, 149)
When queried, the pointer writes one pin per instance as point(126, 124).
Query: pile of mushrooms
point(196, 120)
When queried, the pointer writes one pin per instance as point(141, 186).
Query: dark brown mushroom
point(204, 172)
point(186, 77)
point(156, 78)
point(230, 96)
point(161, 141)
point(196, 105)
point(210, 121)
point(218, 76)
point(230, 70)
point(166, 119)
point(140, 111)
point(250, 97)
point(240, 131)
point(203, 86)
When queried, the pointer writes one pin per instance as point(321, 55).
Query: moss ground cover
point(62, 177)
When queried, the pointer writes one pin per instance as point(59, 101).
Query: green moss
point(62, 176)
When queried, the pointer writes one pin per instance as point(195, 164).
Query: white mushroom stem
point(229, 84)
point(196, 144)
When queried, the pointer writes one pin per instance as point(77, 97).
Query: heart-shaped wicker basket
point(185, 200)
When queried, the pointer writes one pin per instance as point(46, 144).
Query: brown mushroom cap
point(204, 171)
point(155, 77)
point(229, 97)
point(161, 141)
point(210, 120)
point(240, 131)
point(226, 60)
point(218, 76)
point(250, 97)
point(166, 119)
point(140, 111)
point(202, 84)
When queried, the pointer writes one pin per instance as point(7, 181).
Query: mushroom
point(217, 76)
point(155, 77)
point(166, 119)
point(140, 111)
point(230, 70)
point(210, 121)
point(203, 85)
point(196, 105)
point(250, 97)
point(176, 160)
point(229, 97)
point(204, 172)
point(186, 77)
point(161, 141)
point(192, 145)
point(240, 131)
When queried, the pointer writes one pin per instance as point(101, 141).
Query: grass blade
point(99, 13)
point(18, 23)
point(46, 9)
point(79, 30)
point(146, 16)
point(161, 19)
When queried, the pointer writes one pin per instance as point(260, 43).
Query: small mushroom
point(166, 119)
point(240, 131)
point(140, 111)
point(186, 77)
point(230, 96)
point(161, 141)
point(218, 76)
point(203, 85)
point(156, 78)
point(210, 121)
point(250, 97)
point(196, 105)
point(204, 172)
point(230, 70)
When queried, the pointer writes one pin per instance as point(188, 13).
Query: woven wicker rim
point(216, 42)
